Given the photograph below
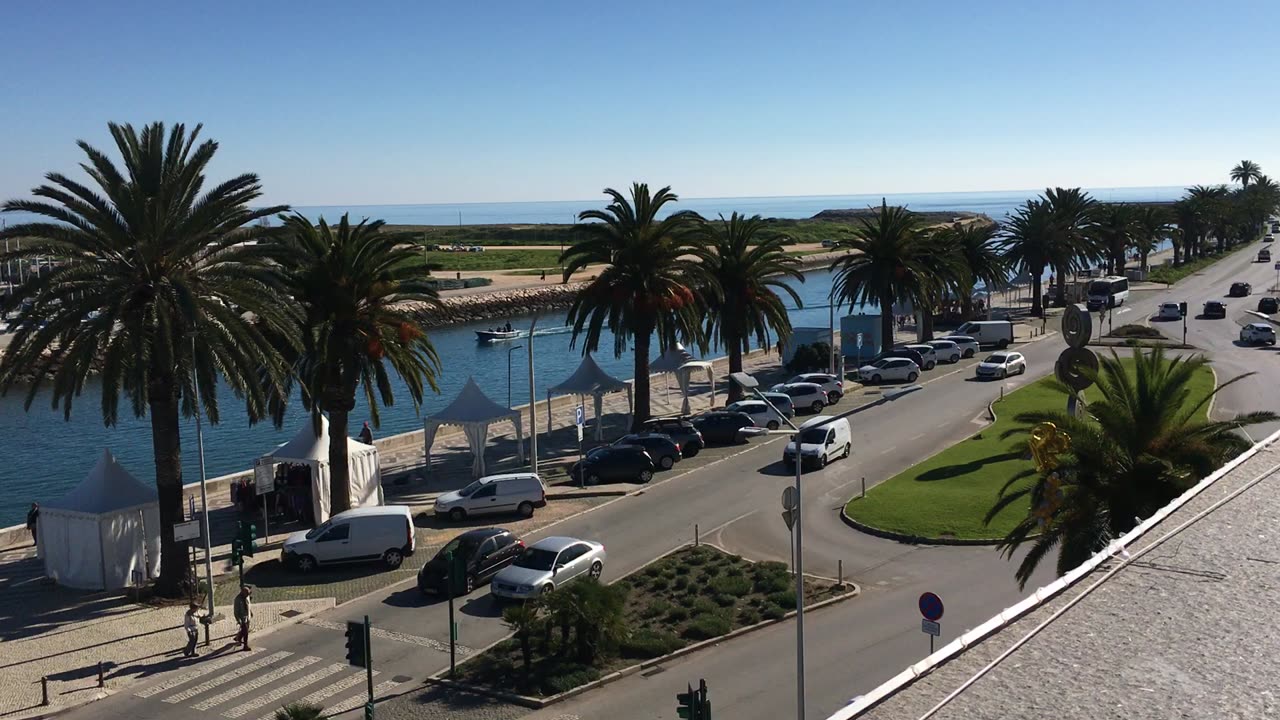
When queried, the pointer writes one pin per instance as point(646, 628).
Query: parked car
point(483, 552)
point(614, 463)
point(382, 532)
point(822, 439)
point(782, 401)
point(946, 350)
point(900, 369)
point(721, 427)
point(805, 395)
point(832, 384)
point(1264, 255)
point(1001, 365)
point(968, 346)
point(1240, 289)
point(1269, 305)
point(1215, 309)
point(548, 564)
point(761, 414)
point(828, 243)
point(681, 431)
point(903, 352)
point(928, 357)
point(988, 332)
point(664, 451)
point(1258, 333)
point(495, 494)
point(1169, 311)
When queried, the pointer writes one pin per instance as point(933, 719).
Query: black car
point(613, 463)
point(722, 426)
point(1240, 289)
point(664, 451)
point(1269, 305)
point(904, 352)
point(1215, 309)
point(681, 431)
point(485, 551)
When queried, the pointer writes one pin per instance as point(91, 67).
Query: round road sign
point(789, 498)
point(931, 607)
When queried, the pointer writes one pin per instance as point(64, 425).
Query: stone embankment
point(500, 304)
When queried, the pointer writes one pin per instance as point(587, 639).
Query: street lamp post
point(831, 304)
point(510, 350)
point(204, 505)
point(533, 404)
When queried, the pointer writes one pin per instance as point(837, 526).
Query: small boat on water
point(496, 335)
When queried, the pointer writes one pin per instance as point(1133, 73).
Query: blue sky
point(382, 103)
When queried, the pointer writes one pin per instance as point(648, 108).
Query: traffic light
point(688, 704)
point(356, 654)
point(1182, 309)
point(237, 557)
point(704, 703)
point(247, 534)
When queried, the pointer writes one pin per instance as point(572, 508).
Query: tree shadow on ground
point(951, 471)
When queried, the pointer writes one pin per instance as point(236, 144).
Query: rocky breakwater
point(500, 304)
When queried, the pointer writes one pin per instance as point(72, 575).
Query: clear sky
point(415, 102)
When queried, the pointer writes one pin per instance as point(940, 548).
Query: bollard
point(864, 486)
point(1002, 392)
point(696, 539)
point(840, 573)
point(44, 691)
point(102, 679)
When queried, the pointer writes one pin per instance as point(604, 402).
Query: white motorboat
point(496, 335)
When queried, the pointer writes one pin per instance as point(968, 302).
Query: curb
point(913, 539)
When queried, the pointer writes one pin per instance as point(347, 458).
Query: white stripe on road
point(356, 701)
point(223, 679)
point(284, 690)
point(327, 691)
point(205, 667)
point(256, 683)
point(393, 635)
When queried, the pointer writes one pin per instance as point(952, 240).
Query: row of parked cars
point(904, 363)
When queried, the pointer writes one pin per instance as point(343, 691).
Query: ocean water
point(45, 455)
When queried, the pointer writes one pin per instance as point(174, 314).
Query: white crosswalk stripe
point(284, 690)
point(204, 667)
point(257, 682)
point(225, 678)
point(359, 700)
point(328, 691)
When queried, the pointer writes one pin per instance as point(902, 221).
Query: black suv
point(661, 448)
point(1215, 309)
point(904, 352)
point(681, 431)
point(484, 551)
point(1240, 289)
point(1269, 305)
point(722, 426)
point(614, 463)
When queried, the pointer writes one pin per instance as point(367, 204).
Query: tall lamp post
point(533, 404)
point(204, 507)
point(510, 350)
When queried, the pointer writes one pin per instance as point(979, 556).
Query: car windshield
point(998, 359)
point(536, 559)
point(879, 363)
point(462, 545)
point(470, 490)
point(318, 531)
point(814, 436)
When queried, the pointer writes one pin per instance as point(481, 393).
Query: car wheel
point(835, 397)
point(911, 376)
point(690, 451)
point(930, 366)
point(1004, 374)
point(646, 476)
point(1002, 344)
point(968, 353)
point(822, 460)
point(457, 514)
point(546, 589)
point(816, 406)
point(1022, 370)
point(772, 425)
point(847, 449)
point(393, 558)
point(593, 479)
point(667, 462)
point(875, 379)
point(596, 569)
point(525, 509)
point(306, 563)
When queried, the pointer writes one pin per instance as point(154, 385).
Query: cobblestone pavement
point(436, 703)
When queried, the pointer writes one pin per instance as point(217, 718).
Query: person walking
point(191, 623)
point(366, 435)
point(243, 611)
point(33, 517)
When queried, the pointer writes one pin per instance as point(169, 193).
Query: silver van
point(384, 533)
point(511, 493)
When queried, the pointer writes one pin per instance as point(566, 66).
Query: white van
point(988, 332)
point(822, 438)
point(510, 493)
point(364, 534)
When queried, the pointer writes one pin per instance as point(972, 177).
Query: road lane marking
point(327, 691)
point(257, 682)
point(225, 678)
point(285, 690)
point(356, 701)
point(393, 635)
point(205, 667)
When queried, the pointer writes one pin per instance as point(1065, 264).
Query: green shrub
point(707, 626)
point(785, 598)
point(683, 569)
point(655, 609)
point(681, 582)
point(736, 586)
point(645, 644)
point(704, 606)
point(712, 569)
point(698, 556)
point(772, 612)
point(771, 567)
point(687, 600)
point(568, 677)
point(677, 614)
point(725, 600)
point(735, 571)
point(770, 584)
point(659, 583)
point(748, 616)
point(652, 571)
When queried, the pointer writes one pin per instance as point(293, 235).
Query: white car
point(947, 351)
point(830, 383)
point(893, 368)
point(968, 346)
point(1169, 311)
point(804, 395)
point(546, 565)
point(1255, 333)
point(1002, 365)
point(761, 414)
point(927, 354)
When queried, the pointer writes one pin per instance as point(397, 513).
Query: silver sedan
point(546, 565)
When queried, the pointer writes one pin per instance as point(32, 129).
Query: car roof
point(1260, 326)
point(944, 341)
point(646, 435)
point(556, 543)
point(506, 476)
point(919, 346)
point(373, 510)
point(958, 338)
point(817, 420)
point(803, 385)
point(483, 533)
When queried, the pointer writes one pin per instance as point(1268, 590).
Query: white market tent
point(590, 379)
point(308, 448)
point(100, 534)
point(474, 412)
point(677, 361)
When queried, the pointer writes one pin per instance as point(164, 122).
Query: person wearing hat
point(243, 612)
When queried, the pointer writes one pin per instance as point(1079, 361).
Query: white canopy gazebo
point(677, 361)
point(474, 412)
point(308, 448)
point(100, 534)
point(590, 379)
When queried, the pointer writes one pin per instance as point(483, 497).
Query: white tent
point(677, 361)
point(307, 448)
point(100, 534)
point(474, 412)
point(589, 379)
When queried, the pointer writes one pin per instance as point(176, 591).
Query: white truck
point(988, 332)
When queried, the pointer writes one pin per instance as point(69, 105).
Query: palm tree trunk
point(886, 321)
point(166, 448)
point(1142, 260)
point(339, 408)
point(1061, 300)
point(735, 365)
point(1037, 298)
point(926, 325)
point(644, 340)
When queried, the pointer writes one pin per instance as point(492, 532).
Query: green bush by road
point(494, 259)
point(948, 495)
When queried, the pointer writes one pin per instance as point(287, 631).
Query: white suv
point(946, 350)
point(927, 354)
point(830, 383)
point(968, 346)
point(1169, 311)
point(1254, 333)
point(761, 414)
point(804, 395)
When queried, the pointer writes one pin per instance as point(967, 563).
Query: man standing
point(366, 434)
point(243, 612)
point(190, 623)
point(33, 517)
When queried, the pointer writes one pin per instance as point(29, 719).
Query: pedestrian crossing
point(254, 684)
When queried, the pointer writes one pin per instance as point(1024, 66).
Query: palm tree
point(1142, 444)
point(359, 289)
point(1150, 226)
point(1209, 204)
point(1113, 228)
point(1027, 245)
point(977, 253)
point(653, 268)
point(153, 280)
point(524, 620)
point(890, 261)
point(300, 711)
point(1245, 172)
point(1072, 246)
point(747, 275)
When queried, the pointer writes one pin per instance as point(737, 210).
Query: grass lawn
point(948, 495)
point(690, 595)
point(494, 259)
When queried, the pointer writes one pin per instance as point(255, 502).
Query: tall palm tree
point(1113, 228)
point(153, 280)
point(747, 274)
point(1027, 245)
point(359, 289)
point(1142, 444)
point(1245, 172)
point(890, 261)
point(1150, 226)
point(978, 254)
point(1071, 211)
point(1209, 204)
point(650, 284)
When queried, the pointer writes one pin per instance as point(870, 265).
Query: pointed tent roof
point(108, 487)
point(305, 445)
point(671, 360)
point(472, 405)
point(588, 379)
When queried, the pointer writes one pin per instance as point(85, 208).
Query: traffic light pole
point(448, 583)
point(368, 668)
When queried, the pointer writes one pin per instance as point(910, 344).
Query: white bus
point(1108, 292)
